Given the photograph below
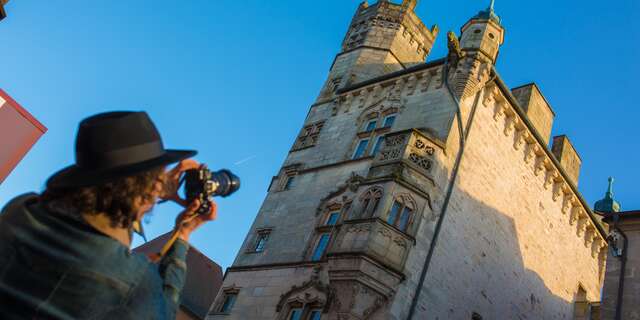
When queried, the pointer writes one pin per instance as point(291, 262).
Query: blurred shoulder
point(19, 202)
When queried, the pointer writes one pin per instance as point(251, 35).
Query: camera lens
point(227, 182)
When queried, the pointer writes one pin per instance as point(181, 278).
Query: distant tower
point(483, 34)
point(381, 39)
point(608, 204)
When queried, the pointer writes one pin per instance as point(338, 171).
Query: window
point(371, 125)
point(370, 201)
point(401, 213)
point(315, 315)
point(295, 314)
point(229, 301)
point(290, 182)
point(389, 120)
point(333, 218)
point(361, 149)
point(377, 146)
point(321, 247)
point(261, 242)
point(393, 214)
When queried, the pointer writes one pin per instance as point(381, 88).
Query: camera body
point(203, 184)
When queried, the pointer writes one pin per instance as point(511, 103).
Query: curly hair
point(116, 199)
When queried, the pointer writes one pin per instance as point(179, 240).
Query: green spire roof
point(608, 204)
point(489, 14)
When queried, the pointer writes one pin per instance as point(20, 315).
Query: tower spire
point(609, 194)
point(608, 204)
point(491, 6)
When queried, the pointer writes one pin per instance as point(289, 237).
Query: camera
point(203, 184)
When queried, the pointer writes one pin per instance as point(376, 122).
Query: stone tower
point(419, 190)
point(382, 38)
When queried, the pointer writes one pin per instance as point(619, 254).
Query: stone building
point(420, 190)
point(621, 290)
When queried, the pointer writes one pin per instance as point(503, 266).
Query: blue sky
point(235, 79)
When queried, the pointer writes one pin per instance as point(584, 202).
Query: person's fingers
point(188, 164)
point(213, 212)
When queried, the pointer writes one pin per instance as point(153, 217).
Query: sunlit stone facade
point(349, 222)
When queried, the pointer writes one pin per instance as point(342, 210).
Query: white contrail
point(244, 160)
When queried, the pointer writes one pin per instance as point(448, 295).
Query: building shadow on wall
point(479, 268)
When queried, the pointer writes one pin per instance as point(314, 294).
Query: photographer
point(66, 254)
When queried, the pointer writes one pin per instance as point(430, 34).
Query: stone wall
point(511, 246)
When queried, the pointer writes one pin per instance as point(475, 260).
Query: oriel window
point(401, 213)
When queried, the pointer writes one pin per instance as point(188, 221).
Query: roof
point(22, 111)
point(488, 14)
point(204, 277)
point(608, 216)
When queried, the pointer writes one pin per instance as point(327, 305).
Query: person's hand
point(188, 221)
point(170, 182)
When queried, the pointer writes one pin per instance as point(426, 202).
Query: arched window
point(401, 212)
point(369, 201)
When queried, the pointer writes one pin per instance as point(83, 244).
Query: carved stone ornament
point(351, 185)
point(312, 291)
point(355, 300)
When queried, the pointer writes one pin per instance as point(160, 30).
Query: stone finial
point(410, 4)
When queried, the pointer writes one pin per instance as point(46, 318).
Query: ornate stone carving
point(582, 226)
point(421, 161)
point(352, 184)
point(550, 178)
point(411, 84)
point(308, 137)
point(589, 236)
point(510, 123)
point(576, 213)
point(558, 190)
point(499, 110)
point(519, 138)
point(568, 202)
point(540, 165)
point(312, 291)
point(357, 300)
point(530, 152)
point(597, 245)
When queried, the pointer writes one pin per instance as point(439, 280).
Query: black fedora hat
point(113, 145)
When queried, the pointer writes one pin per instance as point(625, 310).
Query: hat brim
point(75, 176)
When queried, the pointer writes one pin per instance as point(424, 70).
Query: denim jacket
point(56, 266)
